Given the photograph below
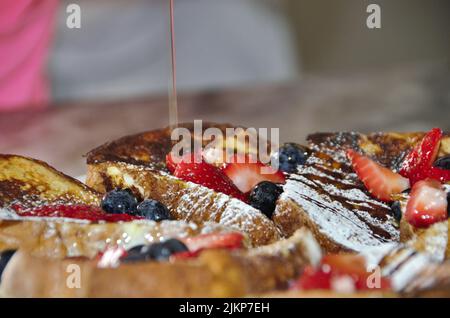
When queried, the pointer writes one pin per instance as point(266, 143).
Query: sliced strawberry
point(334, 267)
point(209, 176)
point(198, 244)
point(172, 163)
point(418, 162)
point(439, 174)
point(185, 255)
point(346, 263)
point(427, 204)
point(207, 241)
point(248, 174)
point(381, 182)
point(313, 279)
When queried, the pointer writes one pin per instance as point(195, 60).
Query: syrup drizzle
point(173, 100)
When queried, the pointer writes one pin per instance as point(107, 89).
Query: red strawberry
point(172, 164)
point(248, 174)
point(427, 204)
point(313, 279)
point(346, 263)
point(334, 267)
point(379, 181)
point(423, 155)
point(214, 240)
point(418, 165)
point(209, 176)
point(203, 242)
point(439, 174)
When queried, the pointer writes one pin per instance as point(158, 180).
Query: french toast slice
point(215, 273)
point(326, 196)
point(60, 238)
point(31, 183)
point(138, 162)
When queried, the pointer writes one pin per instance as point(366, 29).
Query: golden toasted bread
point(32, 182)
point(215, 273)
point(138, 162)
point(60, 238)
point(27, 183)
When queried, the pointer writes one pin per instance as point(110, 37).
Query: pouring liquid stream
point(173, 100)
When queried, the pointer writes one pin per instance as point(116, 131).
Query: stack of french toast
point(346, 215)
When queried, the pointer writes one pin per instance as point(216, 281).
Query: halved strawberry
point(313, 278)
point(209, 176)
point(418, 163)
point(172, 163)
point(439, 174)
point(381, 182)
point(198, 244)
point(206, 241)
point(335, 267)
point(346, 263)
point(248, 174)
point(427, 204)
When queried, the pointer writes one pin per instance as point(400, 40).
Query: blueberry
point(443, 163)
point(119, 201)
point(397, 210)
point(4, 259)
point(162, 251)
point(138, 253)
point(291, 155)
point(153, 210)
point(157, 251)
point(264, 197)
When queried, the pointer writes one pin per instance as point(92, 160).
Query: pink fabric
point(26, 28)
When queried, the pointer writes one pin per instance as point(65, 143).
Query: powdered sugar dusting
point(193, 202)
point(340, 208)
point(401, 264)
point(225, 210)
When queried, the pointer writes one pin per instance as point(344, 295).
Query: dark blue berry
point(153, 210)
point(164, 250)
point(157, 251)
point(4, 259)
point(119, 201)
point(264, 197)
point(290, 156)
point(443, 163)
point(396, 210)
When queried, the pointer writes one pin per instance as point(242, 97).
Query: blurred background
point(300, 65)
